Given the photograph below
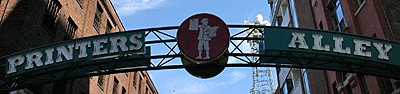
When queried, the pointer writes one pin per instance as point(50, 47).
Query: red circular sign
point(203, 37)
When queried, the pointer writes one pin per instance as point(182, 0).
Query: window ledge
point(96, 30)
point(79, 3)
point(359, 8)
point(101, 87)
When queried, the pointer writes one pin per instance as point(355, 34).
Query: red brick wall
point(368, 22)
point(21, 28)
point(321, 14)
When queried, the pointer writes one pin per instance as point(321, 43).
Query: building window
point(288, 86)
point(51, 15)
point(151, 91)
point(279, 20)
point(140, 82)
point(80, 3)
point(115, 86)
point(278, 70)
point(397, 84)
point(70, 29)
point(385, 85)
point(360, 2)
point(335, 8)
point(321, 26)
point(103, 2)
point(335, 90)
point(126, 73)
point(147, 90)
point(343, 87)
point(100, 81)
point(123, 90)
point(349, 89)
point(305, 82)
point(362, 83)
point(108, 30)
point(97, 16)
point(293, 13)
point(134, 80)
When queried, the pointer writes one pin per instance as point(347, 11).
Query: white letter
point(339, 47)
point(68, 54)
point(383, 51)
point(14, 62)
point(317, 43)
point(49, 56)
point(360, 47)
point(33, 57)
point(298, 38)
point(98, 46)
point(82, 46)
point(137, 44)
point(118, 41)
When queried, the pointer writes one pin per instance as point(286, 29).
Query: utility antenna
point(262, 77)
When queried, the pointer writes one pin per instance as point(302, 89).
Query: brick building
point(26, 24)
point(296, 13)
point(372, 18)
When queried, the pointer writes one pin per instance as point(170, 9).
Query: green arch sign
point(331, 51)
point(126, 51)
point(79, 52)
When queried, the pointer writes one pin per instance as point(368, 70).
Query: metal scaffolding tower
point(262, 77)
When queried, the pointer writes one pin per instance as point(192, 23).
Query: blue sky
point(139, 14)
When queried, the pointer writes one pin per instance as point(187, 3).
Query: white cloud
point(237, 76)
point(129, 7)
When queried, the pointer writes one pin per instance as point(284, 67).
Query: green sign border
point(276, 49)
point(86, 68)
point(137, 41)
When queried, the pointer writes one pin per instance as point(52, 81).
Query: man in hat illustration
point(206, 32)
